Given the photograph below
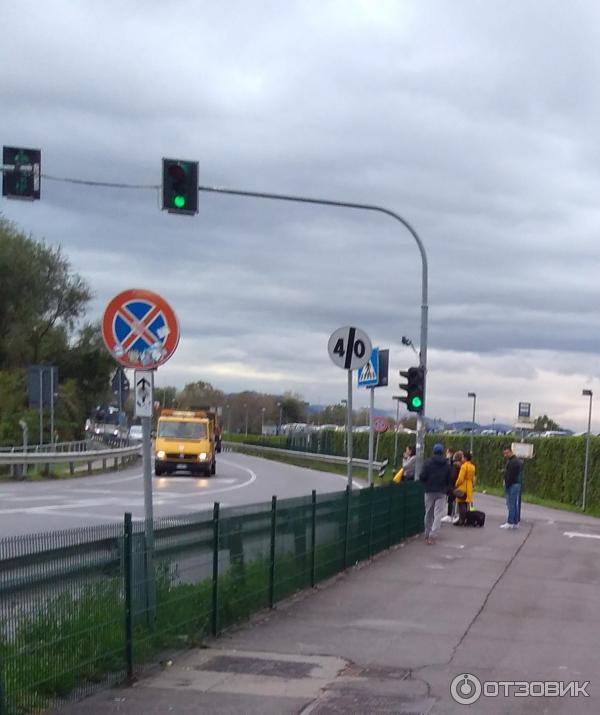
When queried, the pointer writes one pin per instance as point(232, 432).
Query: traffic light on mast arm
point(180, 186)
point(414, 388)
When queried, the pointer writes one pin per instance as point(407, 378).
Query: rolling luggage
point(475, 518)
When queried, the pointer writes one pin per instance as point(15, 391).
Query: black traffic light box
point(23, 180)
point(414, 388)
point(180, 186)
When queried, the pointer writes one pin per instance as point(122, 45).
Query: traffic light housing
point(414, 388)
point(22, 181)
point(180, 186)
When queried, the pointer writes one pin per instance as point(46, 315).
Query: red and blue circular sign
point(140, 329)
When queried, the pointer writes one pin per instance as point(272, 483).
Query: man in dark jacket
point(436, 476)
point(512, 488)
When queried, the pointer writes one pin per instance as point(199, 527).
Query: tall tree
point(40, 298)
point(543, 423)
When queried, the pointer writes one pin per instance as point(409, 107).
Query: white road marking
point(581, 535)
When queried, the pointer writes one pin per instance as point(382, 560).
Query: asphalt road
point(33, 507)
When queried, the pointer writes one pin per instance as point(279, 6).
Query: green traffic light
point(179, 201)
point(416, 401)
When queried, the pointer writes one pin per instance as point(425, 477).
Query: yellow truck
point(188, 439)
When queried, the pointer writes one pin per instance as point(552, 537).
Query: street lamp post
point(587, 393)
point(246, 408)
point(228, 408)
point(280, 416)
point(262, 421)
point(397, 398)
point(474, 396)
point(424, 273)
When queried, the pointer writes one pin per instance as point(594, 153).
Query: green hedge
point(555, 472)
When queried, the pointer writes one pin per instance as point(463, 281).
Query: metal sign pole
point(120, 377)
point(149, 514)
point(349, 430)
point(147, 462)
point(51, 404)
point(371, 408)
point(41, 406)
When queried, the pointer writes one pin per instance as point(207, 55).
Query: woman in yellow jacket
point(465, 482)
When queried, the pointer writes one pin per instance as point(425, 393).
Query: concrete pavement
point(390, 636)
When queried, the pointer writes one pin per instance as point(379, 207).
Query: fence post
point(128, 549)
point(389, 524)
point(313, 538)
point(215, 574)
point(347, 526)
point(371, 498)
point(272, 551)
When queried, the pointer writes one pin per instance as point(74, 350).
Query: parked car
point(135, 433)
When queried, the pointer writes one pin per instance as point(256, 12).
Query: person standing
point(409, 463)
point(512, 488)
point(455, 460)
point(436, 476)
point(465, 483)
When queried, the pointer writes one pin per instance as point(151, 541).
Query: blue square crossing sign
point(368, 376)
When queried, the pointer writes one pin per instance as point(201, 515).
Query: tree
point(294, 409)
point(544, 423)
point(166, 396)
point(40, 298)
point(199, 394)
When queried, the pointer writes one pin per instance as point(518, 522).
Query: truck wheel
point(213, 468)
point(158, 471)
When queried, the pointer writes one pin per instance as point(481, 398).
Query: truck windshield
point(182, 430)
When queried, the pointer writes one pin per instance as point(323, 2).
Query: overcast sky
point(476, 121)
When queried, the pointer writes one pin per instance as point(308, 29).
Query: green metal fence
point(86, 608)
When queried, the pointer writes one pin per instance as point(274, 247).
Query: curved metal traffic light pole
point(413, 233)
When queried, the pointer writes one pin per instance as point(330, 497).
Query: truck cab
point(186, 439)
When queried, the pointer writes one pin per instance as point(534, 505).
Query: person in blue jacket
point(436, 476)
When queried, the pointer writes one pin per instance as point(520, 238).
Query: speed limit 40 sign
point(349, 348)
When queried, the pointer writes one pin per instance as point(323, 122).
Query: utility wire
point(110, 184)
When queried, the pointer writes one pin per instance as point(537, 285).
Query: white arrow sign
point(144, 383)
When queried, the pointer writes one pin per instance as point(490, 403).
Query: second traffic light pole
point(424, 277)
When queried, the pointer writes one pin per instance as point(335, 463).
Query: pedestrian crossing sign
point(368, 376)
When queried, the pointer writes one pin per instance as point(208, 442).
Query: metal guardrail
point(69, 457)
point(73, 446)
point(330, 458)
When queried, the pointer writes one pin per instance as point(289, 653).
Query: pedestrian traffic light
point(414, 388)
point(21, 173)
point(180, 186)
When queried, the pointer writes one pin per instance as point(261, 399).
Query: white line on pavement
point(581, 535)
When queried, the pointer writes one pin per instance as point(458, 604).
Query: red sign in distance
point(380, 424)
point(140, 329)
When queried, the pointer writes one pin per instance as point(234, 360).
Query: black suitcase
point(475, 518)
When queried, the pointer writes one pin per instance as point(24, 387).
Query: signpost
point(120, 386)
point(349, 348)
point(42, 387)
point(374, 374)
point(141, 331)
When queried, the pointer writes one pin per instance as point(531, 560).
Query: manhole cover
point(258, 666)
point(382, 672)
point(361, 703)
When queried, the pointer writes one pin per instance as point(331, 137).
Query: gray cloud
point(477, 122)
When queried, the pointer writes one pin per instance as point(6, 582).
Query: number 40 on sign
point(349, 348)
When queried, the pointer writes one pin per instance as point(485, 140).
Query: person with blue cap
point(436, 476)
